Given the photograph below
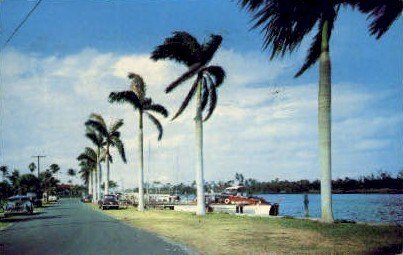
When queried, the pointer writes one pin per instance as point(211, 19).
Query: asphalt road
point(71, 227)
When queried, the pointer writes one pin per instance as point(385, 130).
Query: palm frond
point(95, 138)
point(158, 109)
point(194, 69)
point(181, 47)
point(210, 48)
point(217, 73)
point(98, 118)
point(212, 101)
point(89, 155)
point(138, 85)
point(185, 102)
point(125, 97)
point(115, 126)
point(205, 94)
point(157, 124)
point(315, 49)
point(382, 14)
point(284, 23)
point(117, 142)
point(97, 126)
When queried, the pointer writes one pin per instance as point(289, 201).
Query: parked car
point(86, 199)
point(108, 201)
point(53, 198)
point(18, 205)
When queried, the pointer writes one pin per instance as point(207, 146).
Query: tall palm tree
point(111, 137)
point(88, 165)
point(184, 48)
point(98, 140)
point(286, 23)
point(136, 97)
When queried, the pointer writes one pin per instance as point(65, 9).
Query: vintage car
point(108, 201)
point(86, 199)
point(18, 205)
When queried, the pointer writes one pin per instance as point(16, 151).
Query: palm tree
point(136, 97)
point(32, 167)
point(286, 23)
point(54, 168)
point(88, 165)
point(98, 140)
point(111, 137)
point(184, 48)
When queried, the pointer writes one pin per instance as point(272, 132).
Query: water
point(384, 208)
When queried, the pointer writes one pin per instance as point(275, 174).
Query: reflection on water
point(386, 208)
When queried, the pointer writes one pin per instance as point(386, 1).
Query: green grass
point(229, 234)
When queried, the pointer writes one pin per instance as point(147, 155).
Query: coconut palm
point(136, 97)
point(98, 140)
point(112, 139)
point(184, 48)
point(286, 23)
point(88, 165)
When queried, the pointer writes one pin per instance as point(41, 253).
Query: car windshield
point(110, 198)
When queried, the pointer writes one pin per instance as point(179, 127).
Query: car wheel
point(103, 208)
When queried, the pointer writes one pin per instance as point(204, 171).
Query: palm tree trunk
point(141, 158)
point(95, 195)
point(201, 209)
point(99, 180)
point(106, 191)
point(90, 183)
point(324, 125)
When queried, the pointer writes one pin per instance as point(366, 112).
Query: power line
point(22, 23)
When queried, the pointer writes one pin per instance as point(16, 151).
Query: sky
point(69, 55)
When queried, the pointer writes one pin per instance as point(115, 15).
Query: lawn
point(230, 234)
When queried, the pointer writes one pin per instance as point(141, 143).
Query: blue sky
point(69, 55)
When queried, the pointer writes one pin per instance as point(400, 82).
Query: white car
point(52, 198)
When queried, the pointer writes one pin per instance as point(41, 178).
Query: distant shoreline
point(372, 191)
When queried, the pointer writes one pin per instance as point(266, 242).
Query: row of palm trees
point(183, 48)
point(284, 25)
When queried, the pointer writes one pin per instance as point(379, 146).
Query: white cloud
point(262, 131)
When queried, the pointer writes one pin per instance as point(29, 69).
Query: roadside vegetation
point(228, 234)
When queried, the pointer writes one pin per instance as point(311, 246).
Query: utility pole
point(38, 157)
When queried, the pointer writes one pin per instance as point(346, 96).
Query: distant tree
point(54, 168)
point(98, 140)
point(29, 183)
point(112, 139)
point(88, 164)
point(112, 185)
point(4, 171)
point(32, 167)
